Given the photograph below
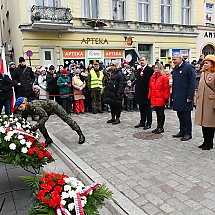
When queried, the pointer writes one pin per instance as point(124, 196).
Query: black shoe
point(94, 112)
point(159, 131)
point(111, 121)
point(100, 111)
point(117, 121)
point(139, 125)
point(206, 148)
point(81, 139)
point(147, 127)
point(48, 142)
point(201, 146)
point(186, 137)
point(153, 131)
point(178, 135)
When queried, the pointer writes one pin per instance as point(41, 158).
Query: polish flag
point(4, 70)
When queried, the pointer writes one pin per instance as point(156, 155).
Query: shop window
point(209, 14)
point(48, 3)
point(91, 8)
point(47, 55)
point(208, 49)
point(185, 12)
point(166, 6)
point(146, 51)
point(143, 10)
point(118, 7)
point(164, 53)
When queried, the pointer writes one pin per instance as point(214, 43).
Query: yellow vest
point(95, 81)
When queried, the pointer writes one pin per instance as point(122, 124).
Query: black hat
point(21, 59)
point(51, 67)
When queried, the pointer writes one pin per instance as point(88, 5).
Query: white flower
point(12, 146)
point(72, 194)
point(66, 180)
point(5, 116)
point(20, 137)
point(23, 126)
point(91, 192)
point(24, 150)
point(67, 187)
point(28, 131)
point(63, 202)
point(18, 125)
point(16, 119)
point(28, 144)
point(2, 130)
point(78, 189)
point(65, 195)
point(71, 206)
point(7, 125)
point(23, 141)
point(10, 133)
point(7, 138)
point(83, 202)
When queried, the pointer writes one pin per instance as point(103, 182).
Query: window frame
point(183, 11)
point(90, 16)
point(209, 12)
point(45, 3)
point(169, 6)
point(119, 17)
point(143, 4)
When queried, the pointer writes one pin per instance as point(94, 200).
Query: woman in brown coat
point(205, 102)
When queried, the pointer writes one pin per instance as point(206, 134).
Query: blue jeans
point(7, 104)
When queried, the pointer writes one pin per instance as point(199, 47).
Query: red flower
point(43, 185)
point(7, 129)
point(36, 149)
point(53, 204)
point(45, 200)
point(48, 189)
point(52, 183)
point(31, 140)
point(40, 155)
point(40, 194)
point(31, 151)
point(43, 144)
point(61, 182)
point(48, 154)
point(54, 194)
point(58, 189)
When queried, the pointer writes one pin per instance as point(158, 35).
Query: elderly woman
point(205, 102)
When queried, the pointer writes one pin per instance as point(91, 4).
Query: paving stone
point(150, 209)
point(208, 203)
point(166, 208)
point(193, 204)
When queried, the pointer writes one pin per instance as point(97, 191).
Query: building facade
point(65, 31)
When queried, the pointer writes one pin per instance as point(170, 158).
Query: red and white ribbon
point(20, 131)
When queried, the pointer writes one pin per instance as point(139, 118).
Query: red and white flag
point(4, 70)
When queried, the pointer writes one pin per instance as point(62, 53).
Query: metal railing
point(52, 14)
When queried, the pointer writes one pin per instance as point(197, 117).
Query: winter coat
point(205, 101)
point(64, 84)
point(52, 84)
point(183, 87)
point(6, 84)
point(142, 85)
point(77, 83)
point(159, 89)
point(43, 87)
point(114, 89)
point(25, 76)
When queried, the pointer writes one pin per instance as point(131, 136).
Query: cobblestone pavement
point(161, 176)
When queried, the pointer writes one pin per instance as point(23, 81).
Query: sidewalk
point(161, 176)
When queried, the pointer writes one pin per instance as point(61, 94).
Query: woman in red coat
point(159, 90)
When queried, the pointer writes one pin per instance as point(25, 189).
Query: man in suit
point(142, 78)
point(183, 89)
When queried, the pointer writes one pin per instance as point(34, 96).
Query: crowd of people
point(177, 84)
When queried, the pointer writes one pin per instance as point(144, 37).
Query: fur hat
point(210, 58)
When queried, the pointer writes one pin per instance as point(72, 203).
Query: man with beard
point(114, 92)
point(95, 84)
point(23, 79)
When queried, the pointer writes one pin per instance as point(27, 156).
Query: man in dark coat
point(142, 78)
point(23, 79)
point(183, 89)
point(114, 92)
point(6, 93)
point(45, 108)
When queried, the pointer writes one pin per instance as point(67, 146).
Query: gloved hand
point(33, 128)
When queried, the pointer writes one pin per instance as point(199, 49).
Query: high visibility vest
point(95, 81)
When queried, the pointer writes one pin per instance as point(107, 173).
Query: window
point(209, 16)
point(48, 3)
point(143, 10)
point(91, 8)
point(118, 9)
point(166, 11)
point(185, 12)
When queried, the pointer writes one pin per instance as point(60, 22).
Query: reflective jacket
point(96, 82)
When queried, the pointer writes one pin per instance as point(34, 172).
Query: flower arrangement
point(21, 147)
point(58, 194)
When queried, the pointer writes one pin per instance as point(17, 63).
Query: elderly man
point(44, 108)
point(183, 89)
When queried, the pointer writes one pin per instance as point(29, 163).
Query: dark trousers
point(145, 114)
point(66, 104)
point(96, 99)
point(185, 122)
point(160, 116)
point(7, 104)
point(208, 135)
point(115, 109)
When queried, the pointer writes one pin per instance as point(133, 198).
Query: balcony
point(51, 18)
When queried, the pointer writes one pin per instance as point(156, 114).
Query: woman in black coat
point(114, 92)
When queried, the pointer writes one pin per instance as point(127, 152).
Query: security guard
point(95, 81)
point(44, 108)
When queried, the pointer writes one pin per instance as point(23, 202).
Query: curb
point(124, 206)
